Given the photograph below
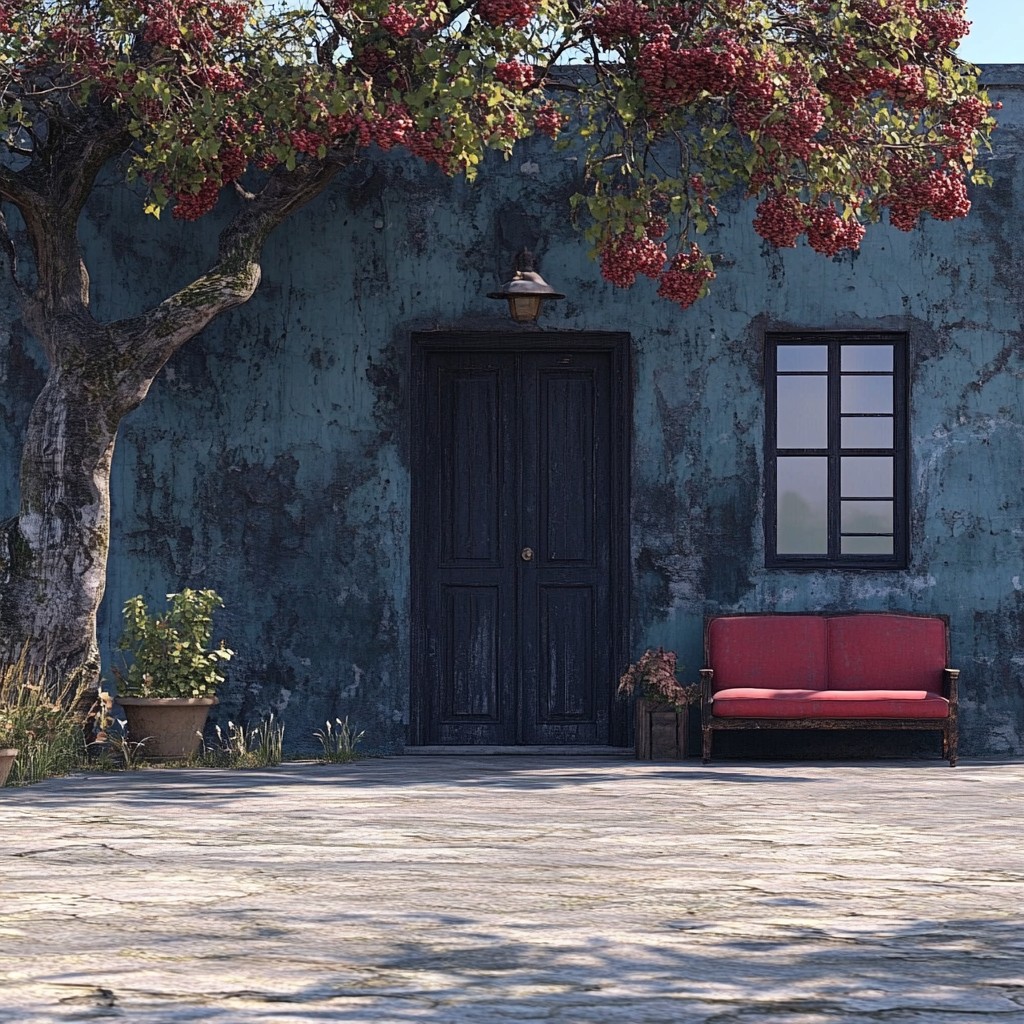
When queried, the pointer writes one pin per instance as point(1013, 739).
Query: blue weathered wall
point(270, 459)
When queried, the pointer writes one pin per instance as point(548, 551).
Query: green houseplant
point(662, 705)
point(167, 689)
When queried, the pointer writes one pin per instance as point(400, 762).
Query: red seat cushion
point(767, 651)
point(885, 651)
point(768, 702)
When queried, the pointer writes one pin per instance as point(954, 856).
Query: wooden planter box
point(660, 732)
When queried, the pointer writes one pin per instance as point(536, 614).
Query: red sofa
point(866, 670)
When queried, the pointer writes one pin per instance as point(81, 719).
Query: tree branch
point(147, 341)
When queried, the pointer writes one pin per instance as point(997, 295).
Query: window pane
point(802, 416)
point(802, 506)
point(866, 517)
point(872, 432)
point(866, 546)
point(867, 476)
point(802, 357)
point(867, 394)
point(866, 357)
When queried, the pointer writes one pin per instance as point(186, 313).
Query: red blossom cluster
point(624, 256)
point(233, 162)
point(676, 77)
point(782, 219)
point(434, 146)
point(964, 118)
point(303, 140)
point(515, 74)
point(509, 127)
point(829, 234)
point(657, 227)
point(754, 95)
point(939, 191)
point(516, 13)
point(78, 38)
point(849, 85)
point(940, 29)
point(878, 12)
point(779, 221)
point(909, 88)
point(686, 278)
point(398, 21)
point(618, 20)
point(221, 79)
point(350, 126)
point(936, 29)
point(548, 121)
point(371, 60)
point(800, 120)
point(193, 205)
point(393, 128)
point(177, 24)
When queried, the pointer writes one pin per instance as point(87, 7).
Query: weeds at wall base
point(45, 725)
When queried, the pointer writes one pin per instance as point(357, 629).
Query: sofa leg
point(706, 746)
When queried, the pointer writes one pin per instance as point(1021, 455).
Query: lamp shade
point(526, 291)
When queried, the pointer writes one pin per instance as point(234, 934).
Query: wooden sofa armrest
point(706, 675)
point(951, 676)
point(706, 698)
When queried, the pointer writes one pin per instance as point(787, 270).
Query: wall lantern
point(526, 291)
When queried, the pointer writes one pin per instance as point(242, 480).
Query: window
point(836, 451)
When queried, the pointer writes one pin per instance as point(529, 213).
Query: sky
point(997, 32)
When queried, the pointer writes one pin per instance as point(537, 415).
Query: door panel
point(567, 647)
point(518, 511)
point(472, 680)
point(471, 442)
point(565, 499)
point(566, 451)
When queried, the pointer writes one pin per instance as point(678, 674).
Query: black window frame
point(900, 451)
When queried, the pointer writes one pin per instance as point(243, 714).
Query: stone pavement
point(515, 889)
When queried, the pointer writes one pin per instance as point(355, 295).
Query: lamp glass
point(524, 308)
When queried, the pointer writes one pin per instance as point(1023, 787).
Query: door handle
point(526, 554)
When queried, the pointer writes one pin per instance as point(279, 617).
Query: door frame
point(617, 343)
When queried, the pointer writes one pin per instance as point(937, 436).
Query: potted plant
point(662, 705)
point(167, 689)
point(7, 752)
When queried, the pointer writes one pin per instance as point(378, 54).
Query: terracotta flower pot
point(172, 727)
point(7, 756)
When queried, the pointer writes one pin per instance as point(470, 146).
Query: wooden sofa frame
point(711, 724)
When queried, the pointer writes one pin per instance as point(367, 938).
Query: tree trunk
point(54, 554)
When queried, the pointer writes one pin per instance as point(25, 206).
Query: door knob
point(527, 554)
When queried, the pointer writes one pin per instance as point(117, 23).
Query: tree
point(830, 112)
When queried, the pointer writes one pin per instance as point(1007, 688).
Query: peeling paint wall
point(270, 460)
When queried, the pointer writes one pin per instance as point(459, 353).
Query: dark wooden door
point(518, 540)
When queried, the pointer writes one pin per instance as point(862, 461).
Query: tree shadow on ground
point(923, 972)
point(162, 785)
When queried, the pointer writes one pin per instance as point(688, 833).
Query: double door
point(518, 540)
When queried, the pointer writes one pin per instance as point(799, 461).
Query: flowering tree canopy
point(830, 113)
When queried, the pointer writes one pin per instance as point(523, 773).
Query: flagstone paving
point(516, 889)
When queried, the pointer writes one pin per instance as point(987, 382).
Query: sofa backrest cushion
point(873, 651)
point(778, 651)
